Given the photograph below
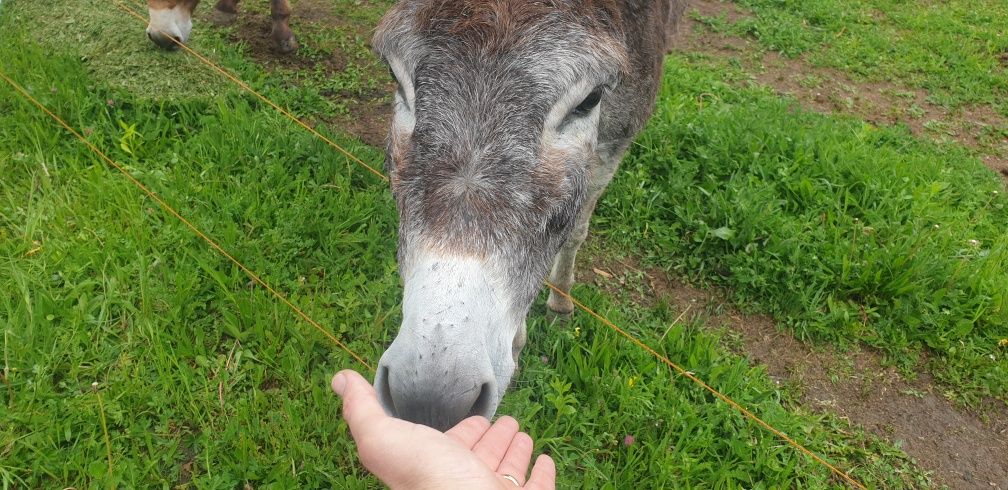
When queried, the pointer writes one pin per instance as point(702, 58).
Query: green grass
point(113, 46)
point(335, 59)
point(842, 230)
point(196, 367)
point(334, 63)
point(956, 50)
point(207, 381)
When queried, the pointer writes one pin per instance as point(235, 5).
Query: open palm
point(473, 455)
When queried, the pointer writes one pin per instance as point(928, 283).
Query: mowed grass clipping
point(112, 44)
point(208, 381)
point(333, 63)
point(842, 230)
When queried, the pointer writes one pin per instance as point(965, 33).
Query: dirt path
point(963, 449)
point(829, 90)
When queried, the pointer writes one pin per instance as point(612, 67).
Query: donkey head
point(170, 19)
point(490, 153)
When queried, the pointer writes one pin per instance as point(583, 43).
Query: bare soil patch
point(964, 449)
point(186, 452)
point(369, 120)
point(829, 90)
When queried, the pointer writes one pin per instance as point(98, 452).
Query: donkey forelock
point(566, 42)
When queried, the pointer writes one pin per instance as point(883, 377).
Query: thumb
point(360, 402)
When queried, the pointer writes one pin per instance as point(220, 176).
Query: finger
point(469, 431)
point(494, 443)
point(360, 402)
point(516, 460)
point(543, 474)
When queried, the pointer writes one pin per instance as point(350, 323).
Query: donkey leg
point(282, 35)
point(225, 12)
point(562, 275)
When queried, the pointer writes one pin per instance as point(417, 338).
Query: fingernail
point(339, 383)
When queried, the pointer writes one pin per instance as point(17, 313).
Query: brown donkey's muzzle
point(163, 41)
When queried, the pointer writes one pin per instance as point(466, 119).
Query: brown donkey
point(173, 19)
point(509, 120)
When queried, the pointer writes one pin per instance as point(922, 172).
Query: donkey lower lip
point(164, 42)
point(441, 408)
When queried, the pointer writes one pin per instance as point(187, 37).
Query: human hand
point(472, 455)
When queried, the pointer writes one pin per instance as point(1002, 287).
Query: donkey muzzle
point(437, 388)
point(452, 357)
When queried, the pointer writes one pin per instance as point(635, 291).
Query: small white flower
point(974, 243)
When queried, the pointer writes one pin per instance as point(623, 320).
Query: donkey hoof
point(287, 46)
point(283, 39)
point(559, 308)
point(221, 18)
point(559, 305)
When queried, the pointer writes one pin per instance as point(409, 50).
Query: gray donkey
point(510, 118)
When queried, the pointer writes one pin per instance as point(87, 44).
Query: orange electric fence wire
point(167, 207)
point(707, 387)
point(601, 318)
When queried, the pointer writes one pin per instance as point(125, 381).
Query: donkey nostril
point(172, 43)
point(385, 391)
point(483, 402)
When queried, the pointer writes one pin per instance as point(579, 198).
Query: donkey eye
point(589, 103)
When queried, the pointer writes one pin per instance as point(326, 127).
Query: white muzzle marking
point(175, 22)
point(452, 357)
